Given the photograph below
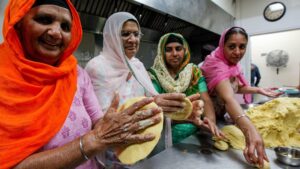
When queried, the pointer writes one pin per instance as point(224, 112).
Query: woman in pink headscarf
point(224, 78)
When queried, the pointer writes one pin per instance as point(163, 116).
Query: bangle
point(81, 149)
point(239, 117)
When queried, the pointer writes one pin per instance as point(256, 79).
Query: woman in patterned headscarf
point(172, 72)
point(47, 104)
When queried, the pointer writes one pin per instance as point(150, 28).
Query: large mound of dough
point(184, 114)
point(278, 121)
point(135, 152)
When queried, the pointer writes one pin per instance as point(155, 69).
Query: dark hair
point(173, 38)
point(235, 30)
point(61, 3)
point(132, 20)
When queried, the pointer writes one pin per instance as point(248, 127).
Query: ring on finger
point(144, 113)
point(145, 123)
point(125, 128)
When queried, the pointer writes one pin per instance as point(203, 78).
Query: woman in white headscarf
point(117, 69)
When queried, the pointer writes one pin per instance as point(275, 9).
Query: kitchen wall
point(249, 14)
point(266, 36)
point(288, 41)
point(227, 5)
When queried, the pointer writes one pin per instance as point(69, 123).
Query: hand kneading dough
point(135, 152)
point(278, 121)
point(184, 114)
point(236, 139)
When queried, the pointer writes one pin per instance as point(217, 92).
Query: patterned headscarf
point(217, 68)
point(188, 75)
point(35, 98)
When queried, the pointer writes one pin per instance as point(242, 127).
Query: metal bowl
point(247, 106)
point(289, 156)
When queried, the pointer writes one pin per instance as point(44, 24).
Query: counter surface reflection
point(197, 151)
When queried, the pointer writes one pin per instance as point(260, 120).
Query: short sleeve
point(202, 85)
point(157, 86)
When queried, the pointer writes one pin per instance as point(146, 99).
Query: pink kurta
point(84, 112)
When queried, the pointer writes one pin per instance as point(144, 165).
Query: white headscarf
point(115, 63)
point(110, 69)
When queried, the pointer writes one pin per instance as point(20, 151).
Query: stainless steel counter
point(197, 152)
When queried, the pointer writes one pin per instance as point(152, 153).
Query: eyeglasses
point(127, 34)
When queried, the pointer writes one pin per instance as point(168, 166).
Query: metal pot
point(287, 155)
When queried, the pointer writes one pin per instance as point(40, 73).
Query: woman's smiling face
point(45, 32)
point(235, 48)
point(131, 36)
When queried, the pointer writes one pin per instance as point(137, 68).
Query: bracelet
point(239, 117)
point(81, 149)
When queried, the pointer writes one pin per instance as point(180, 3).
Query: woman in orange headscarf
point(47, 103)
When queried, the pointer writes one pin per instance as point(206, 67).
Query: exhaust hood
point(200, 21)
point(92, 23)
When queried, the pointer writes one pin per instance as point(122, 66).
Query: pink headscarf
point(217, 68)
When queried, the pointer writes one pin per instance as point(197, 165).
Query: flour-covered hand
point(170, 102)
point(120, 128)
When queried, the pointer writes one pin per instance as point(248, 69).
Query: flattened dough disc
point(135, 152)
point(182, 115)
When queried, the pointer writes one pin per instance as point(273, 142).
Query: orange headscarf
point(35, 98)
